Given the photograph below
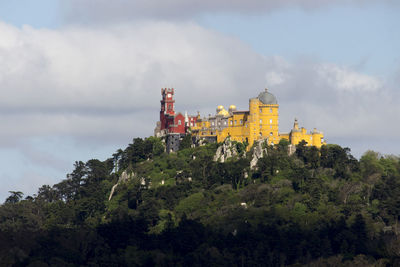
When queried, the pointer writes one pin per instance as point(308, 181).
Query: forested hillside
point(317, 207)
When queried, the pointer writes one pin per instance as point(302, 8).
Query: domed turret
point(223, 112)
point(232, 108)
point(219, 108)
point(267, 98)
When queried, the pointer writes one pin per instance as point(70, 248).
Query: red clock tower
point(173, 126)
point(167, 106)
point(171, 122)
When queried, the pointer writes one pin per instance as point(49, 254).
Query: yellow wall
point(260, 122)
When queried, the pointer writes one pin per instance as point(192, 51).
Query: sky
point(80, 79)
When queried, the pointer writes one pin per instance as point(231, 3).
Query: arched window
point(179, 122)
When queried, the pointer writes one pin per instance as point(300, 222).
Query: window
point(225, 122)
point(270, 133)
point(260, 110)
point(235, 122)
point(212, 123)
point(260, 121)
point(169, 107)
point(241, 122)
point(179, 122)
point(270, 121)
point(230, 122)
point(270, 110)
point(270, 126)
point(219, 123)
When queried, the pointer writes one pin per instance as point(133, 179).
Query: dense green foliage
point(315, 207)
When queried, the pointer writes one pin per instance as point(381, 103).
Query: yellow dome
point(219, 108)
point(232, 107)
point(223, 112)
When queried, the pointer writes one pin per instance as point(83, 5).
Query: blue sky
point(80, 80)
point(366, 38)
point(39, 13)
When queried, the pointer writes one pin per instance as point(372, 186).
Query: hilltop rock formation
point(225, 151)
point(258, 152)
point(123, 178)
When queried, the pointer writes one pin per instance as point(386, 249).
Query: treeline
point(315, 207)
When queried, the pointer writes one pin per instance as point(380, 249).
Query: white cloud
point(274, 78)
point(337, 100)
point(80, 81)
point(345, 79)
point(102, 85)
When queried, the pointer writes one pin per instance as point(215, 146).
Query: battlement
point(165, 91)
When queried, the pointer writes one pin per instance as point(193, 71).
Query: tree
point(359, 230)
point(96, 171)
point(370, 164)
point(116, 158)
point(14, 197)
point(283, 145)
point(47, 194)
point(312, 157)
point(186, 142)
point(202, 164)
point(339, 159)
point(301, 150)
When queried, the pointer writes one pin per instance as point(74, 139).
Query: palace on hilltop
point(261, 121)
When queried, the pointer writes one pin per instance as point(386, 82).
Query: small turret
point(296, 124)
point(232, 108)
point(186, 119)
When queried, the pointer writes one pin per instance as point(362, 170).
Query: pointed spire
point(296, 124)
point(186, 117)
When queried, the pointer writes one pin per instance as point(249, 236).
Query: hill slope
point(315, 207)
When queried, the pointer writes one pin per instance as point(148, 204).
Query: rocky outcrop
point(229, 150)
point(291, 149)
point(225, 151)
point(258, 152)
point(122, 179)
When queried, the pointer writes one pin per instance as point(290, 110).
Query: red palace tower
point(171, 122)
